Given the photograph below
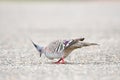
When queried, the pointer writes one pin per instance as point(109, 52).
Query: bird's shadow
point(70, 63)
point(61, 63)
point(81, 63)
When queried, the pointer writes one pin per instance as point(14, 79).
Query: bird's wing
point(56, 46)
point(69, 43)
point(60, 45)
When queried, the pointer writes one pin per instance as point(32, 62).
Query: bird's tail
point(89, 44)
point(84, 44)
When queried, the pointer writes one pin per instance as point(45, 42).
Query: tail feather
point(94, 44)
point(82, 44)
point(89, 44)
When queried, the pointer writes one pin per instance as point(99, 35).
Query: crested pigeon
point(60, 49)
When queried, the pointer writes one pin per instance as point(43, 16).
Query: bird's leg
point(63, 62)
point(58, 62)
point(61, 59)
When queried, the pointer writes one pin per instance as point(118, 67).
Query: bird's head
point(39, 48)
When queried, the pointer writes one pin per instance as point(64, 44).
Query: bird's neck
point(43, 49)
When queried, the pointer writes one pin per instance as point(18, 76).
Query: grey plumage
point(60, 49)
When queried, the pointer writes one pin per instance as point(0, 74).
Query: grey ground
point(47, 21)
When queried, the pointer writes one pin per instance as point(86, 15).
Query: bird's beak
point(40, 54)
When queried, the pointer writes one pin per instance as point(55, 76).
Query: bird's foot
point(61, 61)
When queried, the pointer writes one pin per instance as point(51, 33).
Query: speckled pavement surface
point(45, 22)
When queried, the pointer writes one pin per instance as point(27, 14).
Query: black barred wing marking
point(56, 47)
point(60, 45)
point(69, 43)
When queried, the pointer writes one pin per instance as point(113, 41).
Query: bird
point(60, 49)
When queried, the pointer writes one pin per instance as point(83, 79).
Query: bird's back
point(55, 49)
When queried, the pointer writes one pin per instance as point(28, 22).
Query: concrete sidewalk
point(45, 22)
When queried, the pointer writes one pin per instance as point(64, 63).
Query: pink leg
point(61, 59)
point(63, 62)
point(58, 62)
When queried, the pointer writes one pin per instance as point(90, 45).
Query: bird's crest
point(39, 48)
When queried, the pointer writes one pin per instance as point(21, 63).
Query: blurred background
point(45, 21)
